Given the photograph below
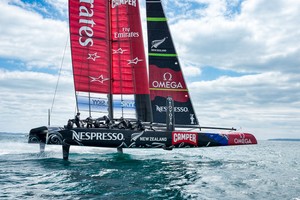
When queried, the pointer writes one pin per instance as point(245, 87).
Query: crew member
point(139, 125)
point(70, 124)
point(77, 120)
point(89, 122)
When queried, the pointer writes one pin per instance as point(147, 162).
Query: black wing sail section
point(165, 75)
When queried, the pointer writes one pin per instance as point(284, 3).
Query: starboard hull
point(120, 138)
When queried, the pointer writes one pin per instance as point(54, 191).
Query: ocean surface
point(269, 170)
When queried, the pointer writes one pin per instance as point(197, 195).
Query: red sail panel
point(129, 71)
point(90, 47)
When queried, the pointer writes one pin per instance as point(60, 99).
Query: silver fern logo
point(156, 43)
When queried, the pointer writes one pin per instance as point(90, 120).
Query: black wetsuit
point(77, 121)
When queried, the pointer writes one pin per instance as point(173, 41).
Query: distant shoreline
point(285, 139)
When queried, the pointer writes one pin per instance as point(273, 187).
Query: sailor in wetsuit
point(77, 120)
point(89, 122)
point(139, 125)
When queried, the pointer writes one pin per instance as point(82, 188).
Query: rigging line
point(75, 110)
point(59, 74)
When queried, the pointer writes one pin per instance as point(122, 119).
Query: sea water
point(269, 170)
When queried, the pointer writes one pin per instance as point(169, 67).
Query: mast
point(110, 94)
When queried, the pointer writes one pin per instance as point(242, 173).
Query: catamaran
point(127, 103)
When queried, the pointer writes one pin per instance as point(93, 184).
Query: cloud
point(26, 97)
point(261, 38)
point(258, 38)
point(191, 71)
point(259, 102)
point(60, 5)
point(29, 37)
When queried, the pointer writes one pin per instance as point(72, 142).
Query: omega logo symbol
point(167, 82)
point(168, 76)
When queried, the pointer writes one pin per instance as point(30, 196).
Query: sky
point(240, 58)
